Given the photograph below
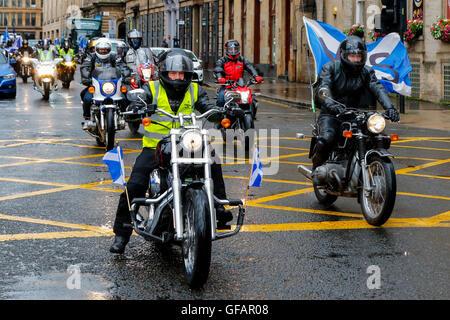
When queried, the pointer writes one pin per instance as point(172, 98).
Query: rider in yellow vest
point(174, 93)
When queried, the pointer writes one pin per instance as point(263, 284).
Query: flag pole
point(122, 167)
point(249, 177)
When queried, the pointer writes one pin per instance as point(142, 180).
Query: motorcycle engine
point(326, 173)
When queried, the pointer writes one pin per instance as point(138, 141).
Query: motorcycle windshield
point(143, 57)
point(106, 73)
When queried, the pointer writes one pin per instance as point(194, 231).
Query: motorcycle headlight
point(244, 96)
point(108, 88)
point(191, 140)
point(26, 59)
point(376, 123)
point(147, 74)
point(68, 63)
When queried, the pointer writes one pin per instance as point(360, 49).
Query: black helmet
point(135, 39)
point(353, 44)
point(175, 60)
point(232, 49)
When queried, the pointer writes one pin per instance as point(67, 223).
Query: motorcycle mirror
point(323, 93)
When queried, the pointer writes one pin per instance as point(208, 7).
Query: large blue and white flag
point(387, 56)
point(6, 36)
point(256, 175)
point(114, 160)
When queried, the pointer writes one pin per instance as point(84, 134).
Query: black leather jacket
point(355, 91)
point(91, 61)
point(202, 105)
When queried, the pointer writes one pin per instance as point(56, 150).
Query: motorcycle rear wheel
point(196, 246)
point(378, 206)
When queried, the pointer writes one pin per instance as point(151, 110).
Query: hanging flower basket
point(355, 30)
point(441, 30)
point(376, 35)
point(414, 30)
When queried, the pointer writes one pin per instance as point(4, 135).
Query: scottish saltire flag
point(6, 35)
point(114, 160)
point(387, 56)
point(256, 175)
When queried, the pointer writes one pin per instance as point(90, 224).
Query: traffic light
point(392, 17)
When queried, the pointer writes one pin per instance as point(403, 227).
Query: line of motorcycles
point(108, 109)
point(179, 206)
point(45, 74)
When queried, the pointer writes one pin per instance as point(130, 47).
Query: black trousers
point(329, 130)
point(138, 183)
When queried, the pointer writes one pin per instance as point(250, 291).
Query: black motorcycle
point(25, 68)
point(180, 204)
point(66, 70)
point(359, 166)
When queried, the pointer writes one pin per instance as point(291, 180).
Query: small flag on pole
point(256, 176)
point(114, 160)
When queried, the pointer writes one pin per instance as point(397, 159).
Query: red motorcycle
point(145, 73)
point(241, 106)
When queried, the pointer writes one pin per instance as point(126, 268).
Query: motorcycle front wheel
point(110, 129)
point(196, 246)
point(377, 206)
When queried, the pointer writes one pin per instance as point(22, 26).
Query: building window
point(27, 19)
point(5, 18)
point(4, 3)
point(415, 79)
point(446, 74)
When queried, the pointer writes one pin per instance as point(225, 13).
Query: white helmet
point(103, 48)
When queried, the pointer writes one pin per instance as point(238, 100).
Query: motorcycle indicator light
point(123, 89)
point(91, 90)
point(348, 134)
point(146, 122)
point(225, 122)
point(394, 137)
point(133, 83)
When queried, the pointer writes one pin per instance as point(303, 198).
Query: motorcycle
point(25, 67)
point(179, 207)
point(106, 117)
point(45, 76)
point(241, 112)
point(66, 71)
point(145, 73)
point(359, 166)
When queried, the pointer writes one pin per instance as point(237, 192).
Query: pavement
point(420, 114)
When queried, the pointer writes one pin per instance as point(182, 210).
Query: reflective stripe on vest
point(161, 124)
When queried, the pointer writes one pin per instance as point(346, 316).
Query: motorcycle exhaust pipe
point(305, 171)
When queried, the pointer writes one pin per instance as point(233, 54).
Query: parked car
point(198, 69)
point(7, 78)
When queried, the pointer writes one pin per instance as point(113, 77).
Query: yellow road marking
point(341, 225)
point(53, 235)
point(270, 180)
point(323, 212)
point(422, 166)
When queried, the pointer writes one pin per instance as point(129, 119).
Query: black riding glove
point(336, 109)
point(392, 113)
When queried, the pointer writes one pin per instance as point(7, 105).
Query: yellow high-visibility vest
point(161, 124)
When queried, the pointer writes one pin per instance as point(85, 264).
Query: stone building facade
point(22, 17)
point(272, 36)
